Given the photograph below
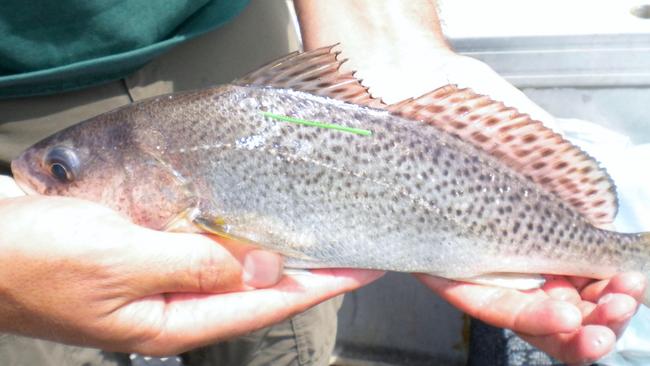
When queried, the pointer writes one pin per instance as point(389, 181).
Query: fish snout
point(26, 175)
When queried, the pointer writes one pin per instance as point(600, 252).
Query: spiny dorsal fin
point(315, 72)
point(525, 144)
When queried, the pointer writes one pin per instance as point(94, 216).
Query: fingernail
point(261, 269)
point(605, 299)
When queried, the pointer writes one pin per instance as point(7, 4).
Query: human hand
point(76, 272)
point(575, 320)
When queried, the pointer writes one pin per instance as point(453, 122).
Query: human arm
point(76, 272)
point(399, 51)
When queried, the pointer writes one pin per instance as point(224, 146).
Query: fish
point(299, 158)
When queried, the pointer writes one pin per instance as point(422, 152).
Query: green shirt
point(52, 46)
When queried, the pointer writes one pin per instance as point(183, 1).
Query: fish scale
point(327, 193)
point(278, 163)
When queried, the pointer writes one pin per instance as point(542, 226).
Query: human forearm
point(394, 46)
point(371, 24)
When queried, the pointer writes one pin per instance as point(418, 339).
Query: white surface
point(512, 18)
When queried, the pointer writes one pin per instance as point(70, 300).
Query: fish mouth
point(26, 183)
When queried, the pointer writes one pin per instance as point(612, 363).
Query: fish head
point(105, 160)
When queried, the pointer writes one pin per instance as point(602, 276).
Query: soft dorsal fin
point(523, 143)
point(315, 72)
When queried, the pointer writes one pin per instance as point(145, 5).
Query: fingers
point(560, 288)
point(173, 262)
point(193, 320)
point(631, 283)
point(613, 311)
point(529, 312)
point(584, 346)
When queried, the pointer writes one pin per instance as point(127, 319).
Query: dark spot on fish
point(515, 227)
point(529, 138)
point(546, 152)
point(540, 229)
point(538, 165)
point(491, 121)
point(462, 109)
point(598, 203)
point(458, 125)
point(434, 108)
point(479, 137)
point(561, 165)
point(507, 138)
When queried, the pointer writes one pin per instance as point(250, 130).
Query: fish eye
point(62, 163)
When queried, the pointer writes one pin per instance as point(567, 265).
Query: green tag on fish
point(305, 122)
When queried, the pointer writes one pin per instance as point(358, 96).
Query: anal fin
point(518, 281)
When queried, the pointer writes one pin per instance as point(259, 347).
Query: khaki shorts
point(263, 32)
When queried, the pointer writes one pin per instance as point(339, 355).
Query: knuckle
point(215, 271)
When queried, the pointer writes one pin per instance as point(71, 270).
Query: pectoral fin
point(216, 226)
point(183, 223)
point(250, 233)
point(518, 281)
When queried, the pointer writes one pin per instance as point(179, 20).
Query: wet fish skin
point(407, 198)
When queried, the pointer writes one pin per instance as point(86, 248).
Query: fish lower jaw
point(24, 186)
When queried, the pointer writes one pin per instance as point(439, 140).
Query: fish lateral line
point(331, 126)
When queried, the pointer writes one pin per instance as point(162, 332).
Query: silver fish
point(299, 159)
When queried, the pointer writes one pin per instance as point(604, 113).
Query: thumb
point(9, 188)
point(178, 262)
